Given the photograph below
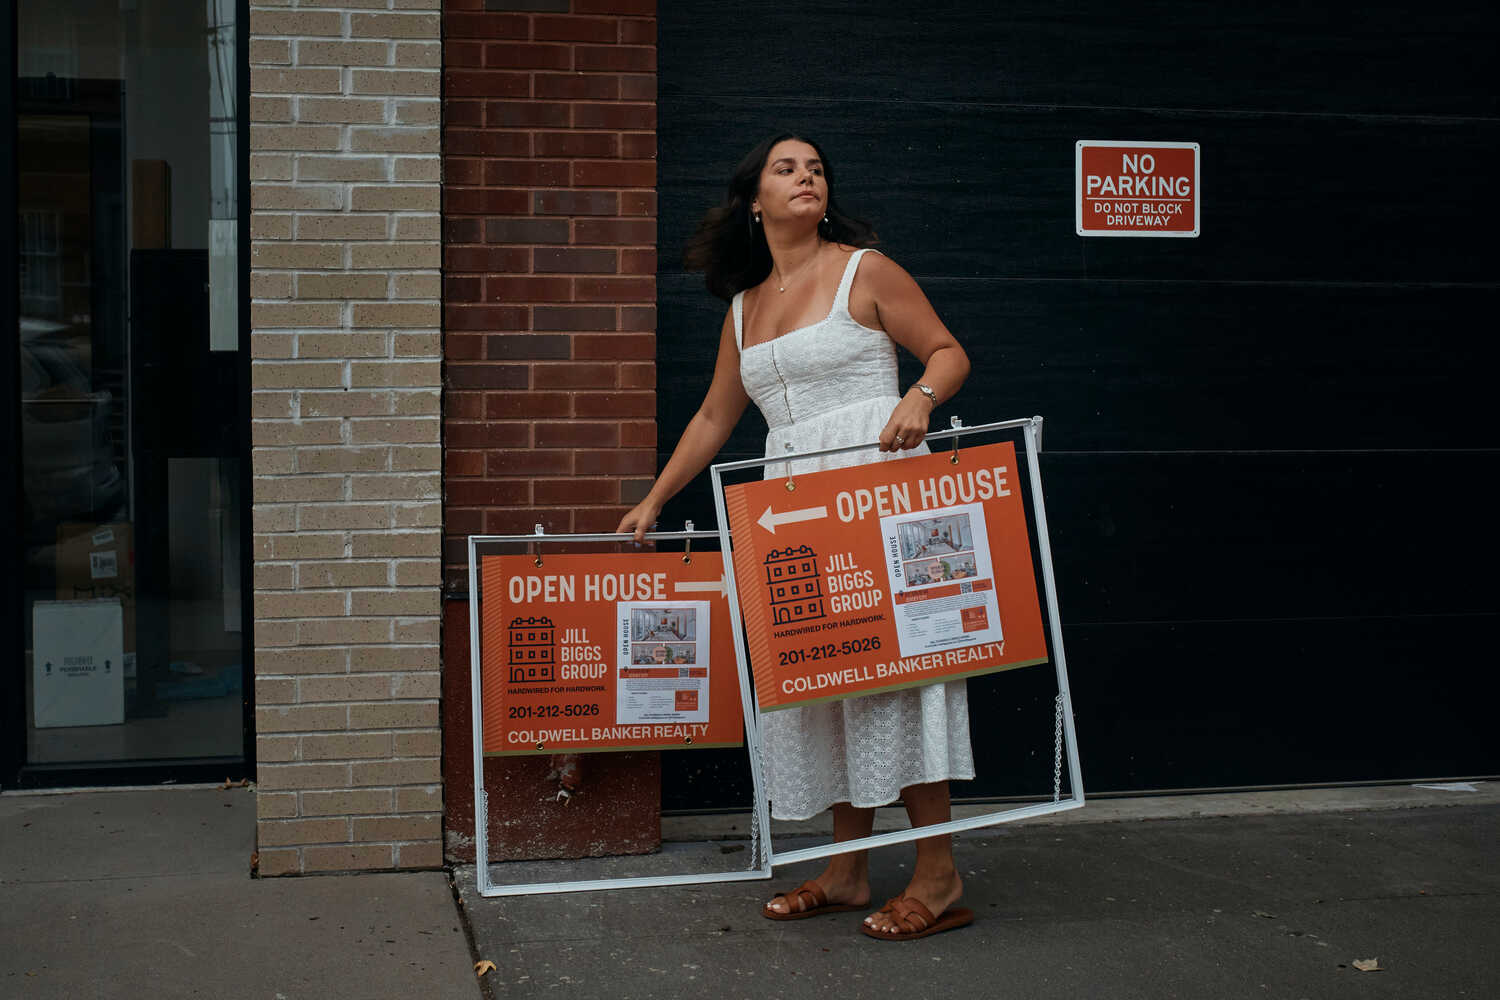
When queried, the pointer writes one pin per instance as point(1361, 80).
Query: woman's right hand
point(640, 519)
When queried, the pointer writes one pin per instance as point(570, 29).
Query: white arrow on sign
point(710, 586)
point(770, 520)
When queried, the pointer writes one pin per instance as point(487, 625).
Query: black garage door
point(1269, 449)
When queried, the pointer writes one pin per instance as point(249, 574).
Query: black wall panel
point(976, 192)
point(1269, 449)
point(1289, 57)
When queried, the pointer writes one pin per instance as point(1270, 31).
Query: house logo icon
point(795, 588)
point(533, 658)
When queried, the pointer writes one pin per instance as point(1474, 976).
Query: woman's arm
point(706, 433)
point(884, 289)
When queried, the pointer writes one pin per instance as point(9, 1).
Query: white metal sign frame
point(1031, 428)
point(760, 813)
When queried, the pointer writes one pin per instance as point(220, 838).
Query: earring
point(756, 218)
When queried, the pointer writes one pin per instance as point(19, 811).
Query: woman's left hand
point(908, 424)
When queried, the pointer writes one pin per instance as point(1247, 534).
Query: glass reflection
point(128, 332)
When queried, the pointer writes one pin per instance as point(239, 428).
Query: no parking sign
point(1137, 188)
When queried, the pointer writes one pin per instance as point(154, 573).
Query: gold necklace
point(781, 285)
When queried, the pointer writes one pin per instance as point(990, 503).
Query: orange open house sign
point(627, 651)
point(1137, 188)
point(884, 576)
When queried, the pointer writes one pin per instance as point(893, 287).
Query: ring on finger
point(900, 439)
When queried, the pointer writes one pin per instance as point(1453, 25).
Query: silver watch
point(926, 390)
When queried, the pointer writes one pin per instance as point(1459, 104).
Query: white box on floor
point(78, 670)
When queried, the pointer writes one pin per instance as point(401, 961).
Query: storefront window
point(126, 236)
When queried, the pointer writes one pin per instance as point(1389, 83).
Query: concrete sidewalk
point(148, 894)
point(136, 894)
point(1260, 895)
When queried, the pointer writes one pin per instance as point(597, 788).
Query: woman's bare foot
point(842, 883)
point(934, 882)
point(936, 891)
point(846, 880)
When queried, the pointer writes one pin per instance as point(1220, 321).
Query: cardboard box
point(77, 677)
point(98, 561)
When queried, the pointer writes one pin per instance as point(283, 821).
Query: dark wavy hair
point(732, 252)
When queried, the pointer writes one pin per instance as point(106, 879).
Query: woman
point(810, 335)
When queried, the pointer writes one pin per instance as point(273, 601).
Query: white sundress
point(830, 385)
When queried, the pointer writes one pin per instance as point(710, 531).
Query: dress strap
point(737, 306)
point(841, 298)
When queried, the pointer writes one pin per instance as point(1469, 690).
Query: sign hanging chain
point(755, 838)
point(1057, 746)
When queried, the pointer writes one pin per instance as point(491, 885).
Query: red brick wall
point(549, 216)
point(549, 412)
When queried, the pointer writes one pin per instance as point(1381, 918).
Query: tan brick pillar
point(346, 367)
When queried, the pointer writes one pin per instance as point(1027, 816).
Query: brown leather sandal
point(807, 900)
point(916, 921)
